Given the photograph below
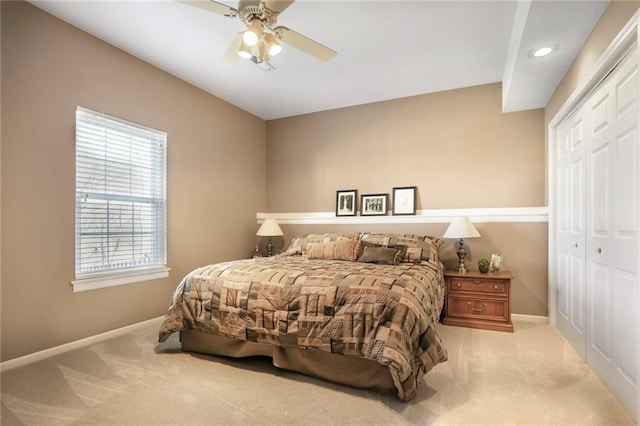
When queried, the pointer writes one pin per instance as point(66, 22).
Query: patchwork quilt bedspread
point(385, 313)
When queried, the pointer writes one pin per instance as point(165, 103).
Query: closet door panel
point(600, 191)
point(624, 262)
point(599, 229)
point(600, 324)
point(626, 93)
point(578, 294)
point(612, 232)
point(599, 198)
point(600, 110)
point(576, 198)
point(625, 334)
point(564, 277)
point(570, 272)
point(626, 208)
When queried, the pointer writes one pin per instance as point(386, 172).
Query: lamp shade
point(269, 228)
point(461, 227)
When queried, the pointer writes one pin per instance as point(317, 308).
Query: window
point(120, 202)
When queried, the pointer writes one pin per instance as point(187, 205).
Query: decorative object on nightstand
point(461, 227)
point(496, 262)
point(269, 229)
point(483, 265)
point(477, 300)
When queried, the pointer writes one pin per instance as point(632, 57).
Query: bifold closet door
point(570, 226)
point(612, 241)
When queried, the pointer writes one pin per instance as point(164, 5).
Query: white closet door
point(570, 258)
point(612, 231)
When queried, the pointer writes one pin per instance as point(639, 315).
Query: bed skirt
point(351, 371)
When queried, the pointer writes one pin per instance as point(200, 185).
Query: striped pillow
point(334, 250)
point(428, 245)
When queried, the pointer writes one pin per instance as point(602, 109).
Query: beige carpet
point(531, 377)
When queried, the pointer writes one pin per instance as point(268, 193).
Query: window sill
point(94, 282)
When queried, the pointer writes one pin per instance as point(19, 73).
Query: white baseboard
point(56, 350)
point(531, 318)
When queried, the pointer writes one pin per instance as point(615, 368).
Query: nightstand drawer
point(479, 286)
point(486, 309)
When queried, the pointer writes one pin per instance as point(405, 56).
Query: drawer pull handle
point(459, 285)
point(495, 286)
point(478, 307)
point(477, 282)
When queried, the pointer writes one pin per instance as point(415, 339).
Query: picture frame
point(496, 262)
point(373, 204)
point(404, 200)
point(346, 202)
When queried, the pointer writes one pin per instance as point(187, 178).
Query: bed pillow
point(381, 255)
point(299, 243)
point(381, 240)
point(428, 244)
point(408, 243)
point(411, 255)
point(333, 250)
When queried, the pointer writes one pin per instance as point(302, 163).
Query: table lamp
point(461, 227)
point(269, 228)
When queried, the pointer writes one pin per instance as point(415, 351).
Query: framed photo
point(373, 205)
point(496, 262)
point(346, 202)
point(404, 200)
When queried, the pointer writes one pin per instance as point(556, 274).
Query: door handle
point(599, 250)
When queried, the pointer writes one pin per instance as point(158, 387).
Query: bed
point(355, 309)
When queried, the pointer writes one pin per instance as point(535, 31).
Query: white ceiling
point(386, 49)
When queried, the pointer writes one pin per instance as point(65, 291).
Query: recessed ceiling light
point(541, 52)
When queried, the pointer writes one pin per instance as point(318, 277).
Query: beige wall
point(216, 172)
point(457, 147)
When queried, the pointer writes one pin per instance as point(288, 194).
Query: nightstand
point(478, 300)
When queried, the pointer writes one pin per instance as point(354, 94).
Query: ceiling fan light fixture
point(244, 51)
point(273, 47)
point(253, 32)
point(263, 53)
point(260, 37)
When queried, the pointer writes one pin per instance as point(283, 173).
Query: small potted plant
point(484, 264)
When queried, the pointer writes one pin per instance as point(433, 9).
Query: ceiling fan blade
point(212, 6)
point(276, 6)
point(230, 56)
point(303, 43)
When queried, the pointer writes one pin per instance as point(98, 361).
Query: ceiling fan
point(261, 39)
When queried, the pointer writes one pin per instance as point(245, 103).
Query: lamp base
point(462, 269)
point(269, 248)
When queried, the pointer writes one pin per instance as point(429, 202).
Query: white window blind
point(120, 196)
